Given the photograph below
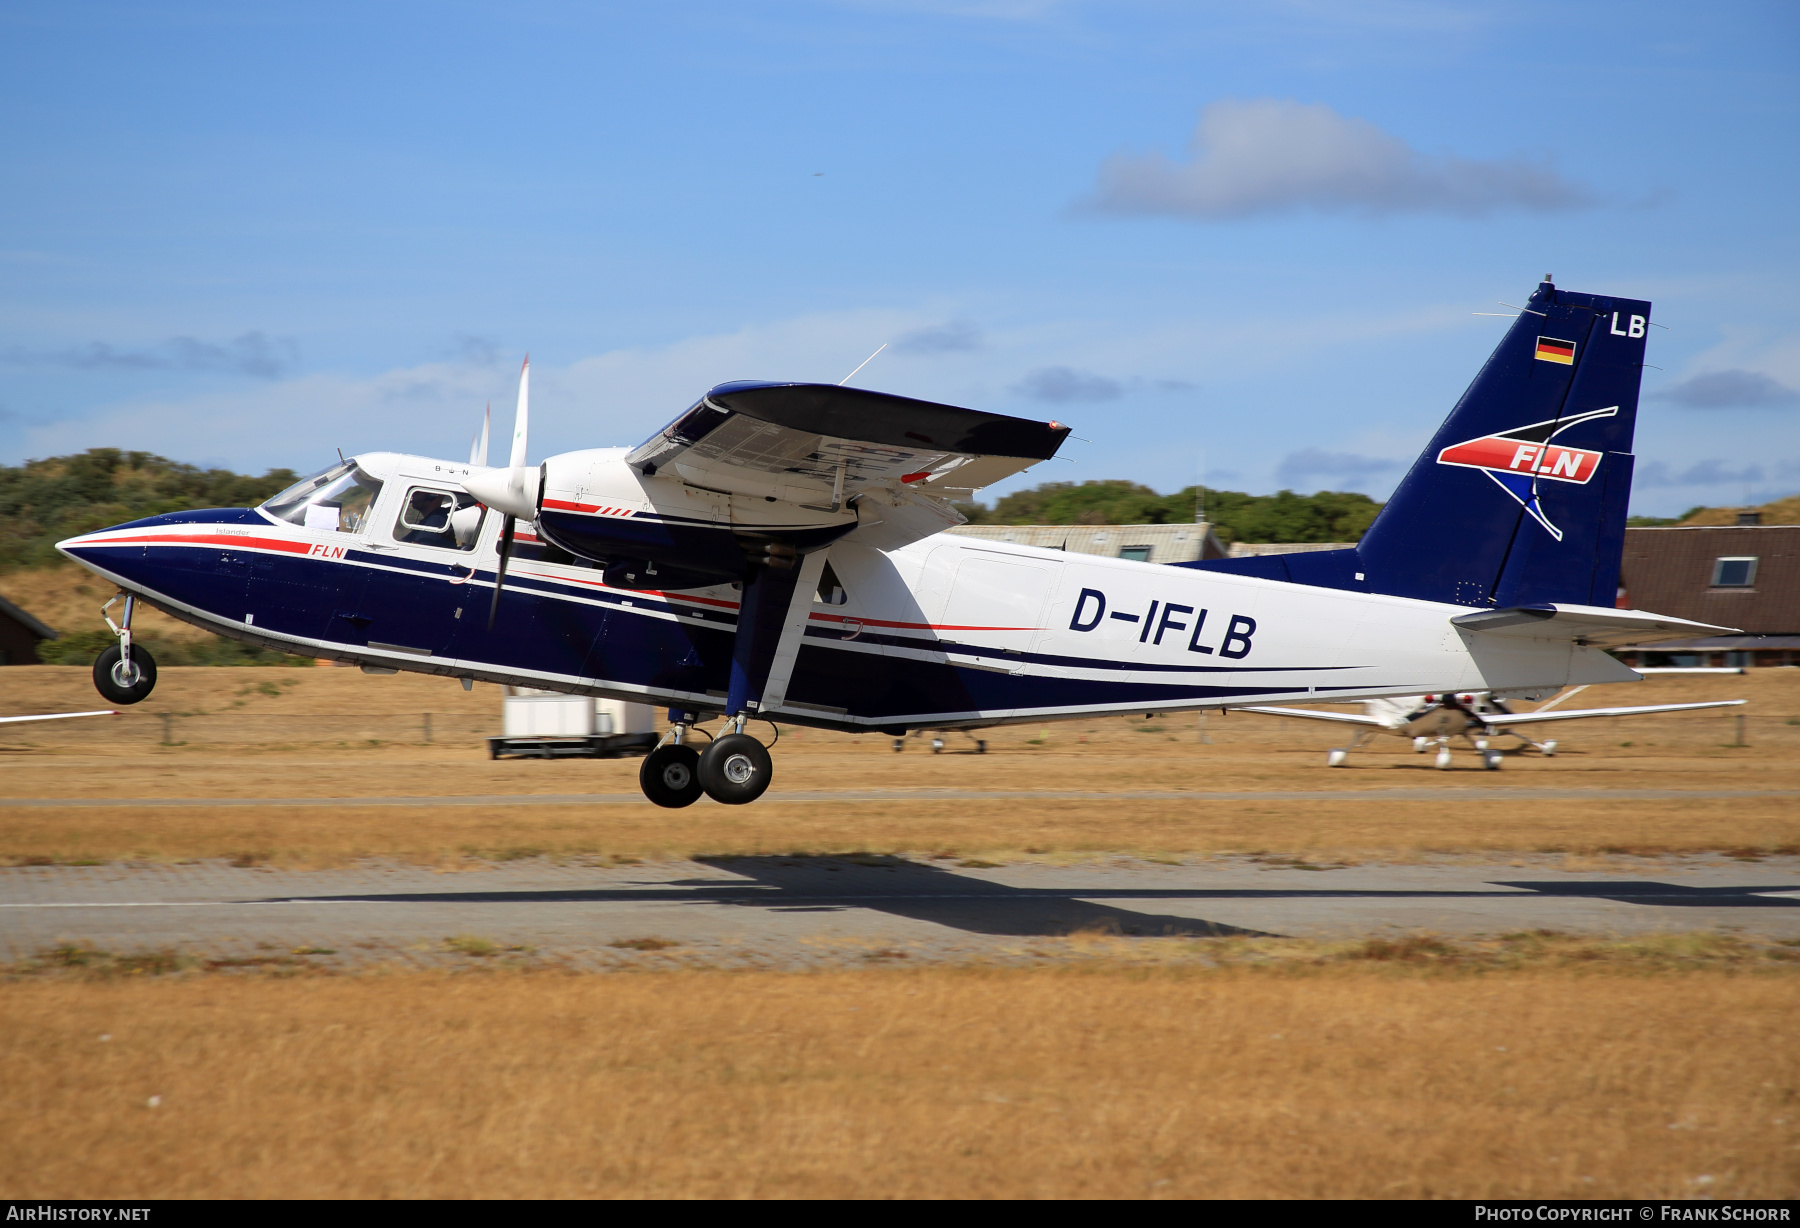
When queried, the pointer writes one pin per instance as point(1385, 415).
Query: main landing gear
point(734, 769)
point(125, 673)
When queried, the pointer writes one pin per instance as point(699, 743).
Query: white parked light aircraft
point(1478, 717)
point(776, 552)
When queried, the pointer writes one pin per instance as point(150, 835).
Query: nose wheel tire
point(121, 683)
point(1443, 759)
point(735, 769)
point(1492, 761)
point(670, 776)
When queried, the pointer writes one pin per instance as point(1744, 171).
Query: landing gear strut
point(1338, 755)
point(124, 673)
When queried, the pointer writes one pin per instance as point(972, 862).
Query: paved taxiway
point(788, 910)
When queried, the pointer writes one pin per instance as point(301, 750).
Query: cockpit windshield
point(338, 499)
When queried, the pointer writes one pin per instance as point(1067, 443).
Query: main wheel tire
point(670, 776)
point(735, 769)
point(122, 685)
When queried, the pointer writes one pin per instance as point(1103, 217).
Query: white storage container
point(615, 716)
point(548, 715)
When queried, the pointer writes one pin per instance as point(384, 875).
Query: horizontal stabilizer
point(56, 716)
point(1529, 718)
point(1588, 625)
point(1341, 717)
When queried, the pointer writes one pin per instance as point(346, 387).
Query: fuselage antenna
point(865, 362)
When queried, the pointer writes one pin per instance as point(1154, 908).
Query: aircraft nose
point(510, 491)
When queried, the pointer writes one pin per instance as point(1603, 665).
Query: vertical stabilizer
point(1520, 497)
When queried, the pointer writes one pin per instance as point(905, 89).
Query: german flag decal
point(1551, 350)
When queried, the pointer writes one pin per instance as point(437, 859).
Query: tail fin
point(1520, 498)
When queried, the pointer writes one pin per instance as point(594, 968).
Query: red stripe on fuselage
point(214, 539)
point(564, 505)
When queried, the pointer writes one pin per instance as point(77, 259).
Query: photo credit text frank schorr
point(1744, 1212)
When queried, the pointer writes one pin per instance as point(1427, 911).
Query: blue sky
point(1249, 236)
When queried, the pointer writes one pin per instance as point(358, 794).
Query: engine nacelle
point(654, 531)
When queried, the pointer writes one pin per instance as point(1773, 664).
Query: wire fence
point(257, 729)
point(1681, 730)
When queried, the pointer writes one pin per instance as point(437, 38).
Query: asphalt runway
point(788, 911)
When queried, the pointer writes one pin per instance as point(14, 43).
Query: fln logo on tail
point(1518, 459)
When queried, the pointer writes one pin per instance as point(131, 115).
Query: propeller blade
point(506, 542)
point(479, 449)
point(522, 418)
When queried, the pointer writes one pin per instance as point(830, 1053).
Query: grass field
point(1358, 1078)
point(1528, 1066)
point(339, 733)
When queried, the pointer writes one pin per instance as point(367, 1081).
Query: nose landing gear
point(124, 673)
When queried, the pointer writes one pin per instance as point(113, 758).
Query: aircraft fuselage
point(947, 631)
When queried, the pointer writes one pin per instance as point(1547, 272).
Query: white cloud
point(619, 397)
point(1311, 466)
point(252, 353)
point(1272, 155)
point(1732, 389)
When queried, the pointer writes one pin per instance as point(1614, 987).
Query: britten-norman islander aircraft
point(776, 552)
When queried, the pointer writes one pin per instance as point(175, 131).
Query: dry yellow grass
point(69, 599)
point(338, 733)
point(1105, 1082)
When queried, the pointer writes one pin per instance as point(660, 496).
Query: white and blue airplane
point(777, 553)
point(1480, 718)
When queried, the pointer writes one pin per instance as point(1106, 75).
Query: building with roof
point(20, 635)
point(1745, 576)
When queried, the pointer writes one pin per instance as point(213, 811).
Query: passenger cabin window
point(1137, 554)
point(831, 589)
point(1734, 572)
point(450, 519)
point(339, 499)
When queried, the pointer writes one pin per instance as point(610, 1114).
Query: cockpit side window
point(450, 519)
point(339, 499)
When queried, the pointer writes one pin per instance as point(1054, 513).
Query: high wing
point(1342, 717)
point(56, 716)
point(1526, 718)
point(820, 445)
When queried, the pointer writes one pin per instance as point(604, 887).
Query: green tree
point(44, 501)
point(1327, 516)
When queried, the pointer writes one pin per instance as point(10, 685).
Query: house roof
point(1669, 570)
point(9, 610)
